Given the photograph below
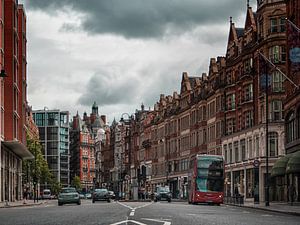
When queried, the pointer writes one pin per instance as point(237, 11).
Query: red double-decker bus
point(206, 179)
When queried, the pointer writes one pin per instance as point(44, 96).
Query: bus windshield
point(209, 185)
point(210, 175)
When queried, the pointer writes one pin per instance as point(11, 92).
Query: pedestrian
point(25, 195)
point(292, 193)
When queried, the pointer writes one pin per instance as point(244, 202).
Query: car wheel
point(60, 204)
point(108, 200)
point(169, 200)
point(79, 203)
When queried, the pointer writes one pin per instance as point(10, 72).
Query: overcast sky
point(121, 53)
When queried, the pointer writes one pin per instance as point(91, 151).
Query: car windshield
point(100, 190)
point(68, 190)
point(163, 189)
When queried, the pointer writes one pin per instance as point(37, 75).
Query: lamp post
point(35, 175)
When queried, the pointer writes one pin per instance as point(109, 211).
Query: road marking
point(133, 209)
point(144, 205)
point(127, 221)
point(159, 221)
point(132, 213)
point(127, 206)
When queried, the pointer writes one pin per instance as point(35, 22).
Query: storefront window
point(249, 183)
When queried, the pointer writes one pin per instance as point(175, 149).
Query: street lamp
point(35, 198)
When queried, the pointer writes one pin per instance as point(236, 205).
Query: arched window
point(273, 143)
point(290, 127)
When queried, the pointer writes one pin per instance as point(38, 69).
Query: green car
point(68, 195)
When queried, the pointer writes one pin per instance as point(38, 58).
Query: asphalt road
point(141, 213)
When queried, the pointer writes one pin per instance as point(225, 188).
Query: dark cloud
point(144, 18)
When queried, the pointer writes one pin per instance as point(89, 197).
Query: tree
point(36, 170)
point(76, 183)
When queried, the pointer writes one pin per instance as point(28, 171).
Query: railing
point(234, 200)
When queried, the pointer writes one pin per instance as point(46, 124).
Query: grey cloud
point(106, 89)
point(144, 19)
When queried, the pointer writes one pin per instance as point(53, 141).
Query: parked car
point(46, 194)
point(162, 193)
point(88, 195)
point(81, 196)
point(68, 195)
point(112, 195)
point(101, 195)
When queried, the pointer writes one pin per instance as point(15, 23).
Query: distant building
point(87, 139)
point(54, 136)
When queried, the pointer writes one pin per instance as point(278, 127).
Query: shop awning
point(293, 165)
point(279, 167)
point(19, 149)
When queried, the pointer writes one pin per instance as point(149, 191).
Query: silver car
point(68, 195)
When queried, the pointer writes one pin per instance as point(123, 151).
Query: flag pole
point(294, 25)
point(265, 58)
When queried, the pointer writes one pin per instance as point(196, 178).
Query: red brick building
point(88, 149)
point(13, 111)
point(292, 105)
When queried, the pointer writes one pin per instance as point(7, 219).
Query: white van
point(46, 194)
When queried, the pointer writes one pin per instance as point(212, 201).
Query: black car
point(162, 193)
point(101, 195)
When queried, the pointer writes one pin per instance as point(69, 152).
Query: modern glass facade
point(54, 135)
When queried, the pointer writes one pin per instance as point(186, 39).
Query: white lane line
point(130, 221)
point(127, 206)
point(159, 221)
point(144, 205)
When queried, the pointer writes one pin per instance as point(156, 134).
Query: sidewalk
point(20, 203)
point(280, 207)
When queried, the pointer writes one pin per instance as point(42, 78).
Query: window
point(230, 101)
point(273, 24)
point(257, 146)
point(247, 65)
point(290, 128)
point(230, 152)
point(282, 24)
point(277, 54)
point(277, 25)
point(243, 148)
point(277, 82)
point(276, 111)
point(230, 125)
point(250, 151)
point(225, 152)
point(236, 151)
point(248, 119)
point(273, 143)
point(249, 92)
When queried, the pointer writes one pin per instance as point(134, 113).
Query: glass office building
point(54, 136)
